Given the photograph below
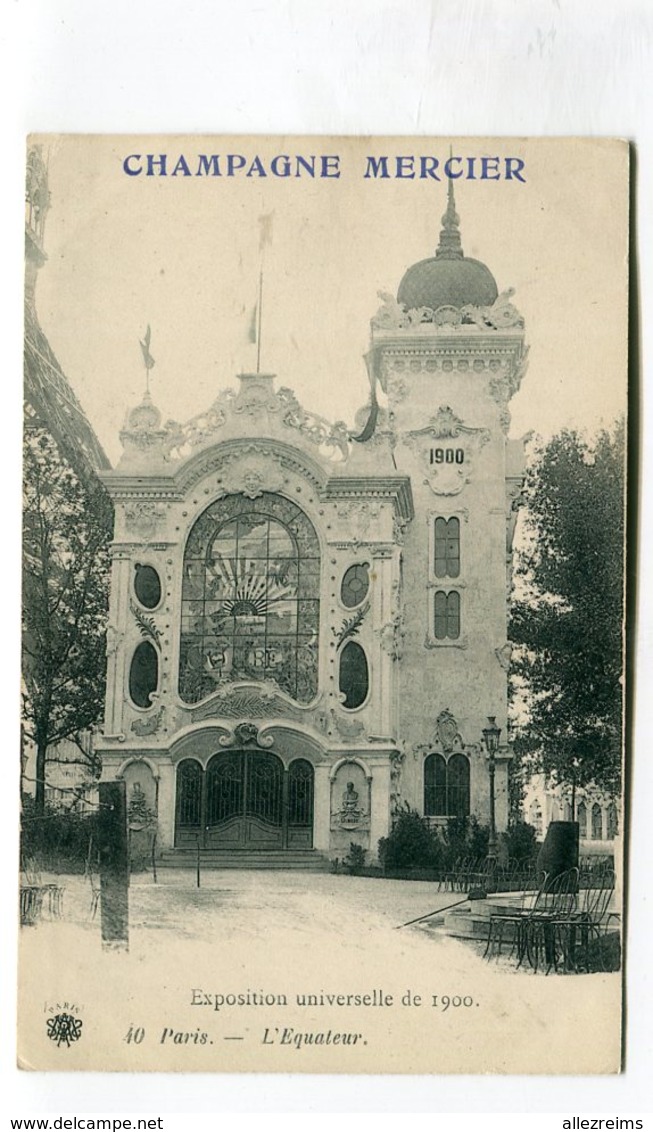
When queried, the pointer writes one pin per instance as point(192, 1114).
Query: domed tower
point(449, 278)
point(449, 352)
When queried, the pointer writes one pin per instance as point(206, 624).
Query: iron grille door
point(189, 802)
point(300, 804)
point(265, 787)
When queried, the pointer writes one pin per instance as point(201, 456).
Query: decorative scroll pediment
point(264, 409)
point(253, 701)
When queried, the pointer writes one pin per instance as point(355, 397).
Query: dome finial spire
point(450, 246)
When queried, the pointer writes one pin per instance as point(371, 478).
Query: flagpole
point(260, 313)
point(148, 360)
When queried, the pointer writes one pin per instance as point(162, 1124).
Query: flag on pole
point(265, 230)
point(371, 361)
point(145, 347)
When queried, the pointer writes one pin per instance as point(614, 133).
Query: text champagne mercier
point(405, 167)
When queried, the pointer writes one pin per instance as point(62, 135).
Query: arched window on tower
point(613, 822)
point(447, 615)
point(447, 548)
point(250, 598)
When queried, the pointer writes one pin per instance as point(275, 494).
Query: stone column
point(383, 682)
point(379, 805)
point(322, 809)
point(118, 615)
point(166, 804)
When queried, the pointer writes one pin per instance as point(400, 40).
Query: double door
point(245, 799)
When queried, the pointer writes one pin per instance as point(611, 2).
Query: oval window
point(355, 584)
point(354, 675)
point(143, 674)
point(147, 586)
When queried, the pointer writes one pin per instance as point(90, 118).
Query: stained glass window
point(355, 584)
point(250, 598)
point(447, 548)
point(447, 616)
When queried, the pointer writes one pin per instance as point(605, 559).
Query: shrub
point(354, 862)
point(410, 844)
point(56, 840)
point(521, 841)
point(465, 837)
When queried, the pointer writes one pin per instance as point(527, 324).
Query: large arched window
point(446, 786)
point(250, 598)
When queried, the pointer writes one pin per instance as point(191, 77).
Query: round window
point(147, 586)
point(355, 585)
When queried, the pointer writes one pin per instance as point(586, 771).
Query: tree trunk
point(39, 795)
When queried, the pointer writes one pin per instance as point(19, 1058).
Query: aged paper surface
point(280, 371)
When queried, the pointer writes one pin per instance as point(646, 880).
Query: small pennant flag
point(265, 230)
point(145, 347)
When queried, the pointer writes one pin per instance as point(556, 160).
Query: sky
point(182, 255)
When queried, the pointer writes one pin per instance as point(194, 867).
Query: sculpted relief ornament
point(502, 315)
point(143, 519)
point(448, 467)
point(360, 517)
point(250, 475)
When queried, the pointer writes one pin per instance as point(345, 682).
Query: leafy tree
point(568, 623)
point(67, 525)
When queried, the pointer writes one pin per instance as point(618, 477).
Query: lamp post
point(491, 736)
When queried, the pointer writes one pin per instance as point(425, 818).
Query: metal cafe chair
point(31, 900)
point(578, 930)
point(559, 902)
point(509, 926)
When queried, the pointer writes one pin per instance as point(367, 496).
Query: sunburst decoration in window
point(253, 588)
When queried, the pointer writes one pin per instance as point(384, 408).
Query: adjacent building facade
point(52, 408)
point(308, 627)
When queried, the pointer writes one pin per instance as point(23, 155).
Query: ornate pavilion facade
point(308, 629)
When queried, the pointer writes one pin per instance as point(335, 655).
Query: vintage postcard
point(324, 481)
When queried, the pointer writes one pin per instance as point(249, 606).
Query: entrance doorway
point(245, 799)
